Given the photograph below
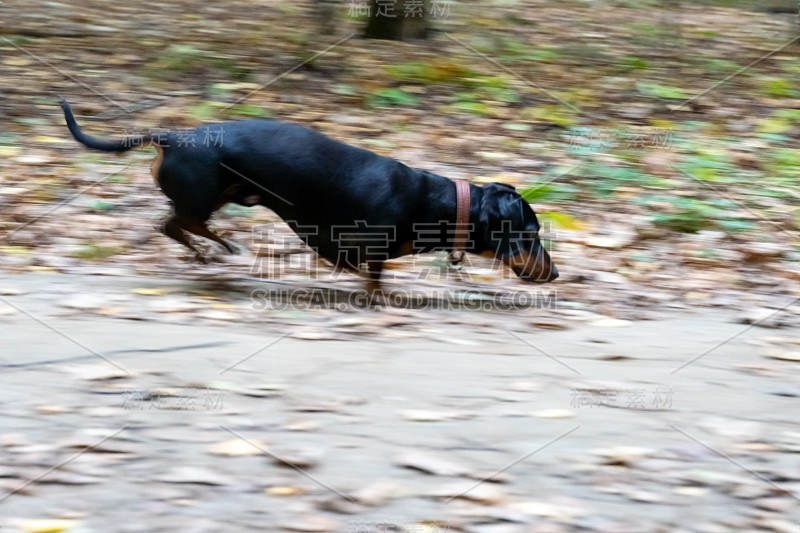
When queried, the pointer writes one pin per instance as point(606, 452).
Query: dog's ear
point(498, 185)
point(502, 218)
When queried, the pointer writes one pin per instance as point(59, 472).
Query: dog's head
point(510, 232)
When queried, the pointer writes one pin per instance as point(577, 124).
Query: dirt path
point(580, 429)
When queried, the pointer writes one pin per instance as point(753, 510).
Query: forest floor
point(658, 143)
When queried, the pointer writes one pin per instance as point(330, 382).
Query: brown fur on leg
point(374, 289)
point(172, 227)
point(200, 229)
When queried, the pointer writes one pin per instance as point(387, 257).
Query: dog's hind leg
point(195, 193)
point(173, 227)
point(200, 229)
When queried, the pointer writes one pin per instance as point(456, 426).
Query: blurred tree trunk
point(396, 20)
point(778, 6)
point(326, 16)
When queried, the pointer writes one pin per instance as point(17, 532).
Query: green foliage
point(512, 47)
point(560, 220)
point(209, 110)
point(741, 4)
point(435, 71)
point(248, 110)
point(223, 88)
point(772, 125)
point(515, 20)
point(204, 111)
point(550, 189)
point(635, 4)
point(31, 121)
point(391, 97)
point(690, 215)
point(545, 55)
point(719, 66)
point(633, 63)
point(607, 179)
point(101, 207)
point(707, 34)
point(93, 252)
point(783, 163)
point(652, 33)
point(19, 39)
point(483, 91)
point(466, 102)
point(551, 114)
point(478, 90)
point(552, 192)
point(183, 59)
point(654, 90)
point(297, 37)
point(489, 93)
point(778, 87)
point(8, 138)
point(708, 163)
point(792, 115)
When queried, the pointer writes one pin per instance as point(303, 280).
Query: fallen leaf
point(47, 526)
point(554, 413)
point(285, 491)
point(239, 447)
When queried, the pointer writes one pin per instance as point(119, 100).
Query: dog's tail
point(122, 145)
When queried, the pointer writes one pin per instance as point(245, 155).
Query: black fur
point(321, 187)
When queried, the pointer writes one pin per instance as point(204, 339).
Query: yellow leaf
point(285, 491)
point(151, 292)
point(611, 323)
point(17, 251)
point(562, 220)
point(10, 191)
point(662, 124)
point(9, 151)
point(554, 413)
point(47, 139)
point(239, 447)
point(47, 526)
point(17, 61)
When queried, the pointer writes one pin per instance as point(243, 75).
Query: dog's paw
point(234, 248)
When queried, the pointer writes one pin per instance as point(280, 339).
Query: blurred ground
point(602, 438)
point(671, 205)
point(647, 198)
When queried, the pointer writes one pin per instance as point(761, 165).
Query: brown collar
point(462, 221)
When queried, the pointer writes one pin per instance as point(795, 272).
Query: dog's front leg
point(374, 270)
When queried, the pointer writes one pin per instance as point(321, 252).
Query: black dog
point(351, 206)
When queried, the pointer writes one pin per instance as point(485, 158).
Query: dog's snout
point(535, 269)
